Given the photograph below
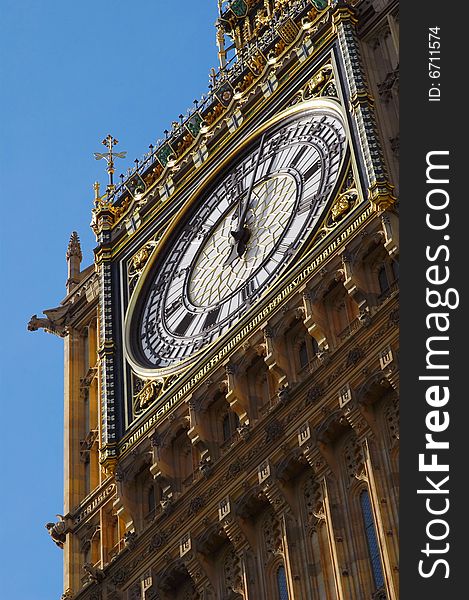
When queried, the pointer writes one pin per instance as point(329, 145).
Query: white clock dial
point(273, 201)
point(243, 232)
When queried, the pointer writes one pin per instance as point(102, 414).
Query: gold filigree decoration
point(256, 63)
point(321, 84)
point(213, 114)
point(261, 20)
point(145, 393)
point(154, 174)
point(347, 198)
point(288, 31)
point(138, 261)
point(343, 204)
point(245, 83)
point(281, 6)
point(151, 390)
point(184, 144)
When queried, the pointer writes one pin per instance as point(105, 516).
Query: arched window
point(226, 427)
point(315, 346)
point(151, 499)
point(383, 280)
point(372, 541)
point(282, 583)
point(395, 269)
point(230, 425)
point(307, 350)
point(303, 354)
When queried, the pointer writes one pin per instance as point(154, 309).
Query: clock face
point(242, 233)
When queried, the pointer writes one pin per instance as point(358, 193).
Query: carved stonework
point(130, 539)
point(232, 572)
point(74, 247)
point(58, 531)
point(392, 421)
point(87, 444)
point(274, 430)
point(94, 573)
point(313, 501)
point(146, 392)
point(196, 505)
point(353, 457)
point(55, 321)
point(272, 534)
point(149, 392)
point(314, 394)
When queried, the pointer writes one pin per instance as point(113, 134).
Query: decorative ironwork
point(109, 156)
point(232, 72)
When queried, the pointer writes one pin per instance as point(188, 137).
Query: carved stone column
point(237, 393)
point(237, 536)
point(318, 464)
point(390, 227)
point(73, 468)
point(271, 488)
point(354, 283)
point(125, 506)
point(315, 319)
point(197, 567)
point(275, 357)
point(388, 548)
point(198, 435)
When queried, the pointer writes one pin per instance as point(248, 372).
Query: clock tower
point(231, 357)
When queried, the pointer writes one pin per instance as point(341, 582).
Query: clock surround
point(179, 321)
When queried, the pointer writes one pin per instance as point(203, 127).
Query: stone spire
point(74, 248)
point(74, 257)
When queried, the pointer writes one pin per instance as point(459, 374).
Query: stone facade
point(268, 468)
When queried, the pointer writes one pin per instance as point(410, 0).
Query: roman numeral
point(305, 204)
point(148, 330)
point(298, 156)
point(211, 318)
point(248, 290)
point(172, 308)
point(184, 324)
point(312, 170)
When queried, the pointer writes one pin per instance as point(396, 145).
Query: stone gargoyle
point(55, 322)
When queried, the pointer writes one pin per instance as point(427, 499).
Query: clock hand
point(251, 185)
point(242, 233)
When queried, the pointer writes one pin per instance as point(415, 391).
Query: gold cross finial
point(109, 156)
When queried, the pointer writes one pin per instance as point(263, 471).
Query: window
point(383, 280)
point(307, 350)
point(315, 346)
point(303, 354)
point(230, 425)
point(282, 583)
point(372, 541)
point(151, 499)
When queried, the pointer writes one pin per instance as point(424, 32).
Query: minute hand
point(242, 234)
point(242, 217)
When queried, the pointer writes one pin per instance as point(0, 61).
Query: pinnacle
point(74, 248)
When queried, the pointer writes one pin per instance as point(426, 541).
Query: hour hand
point(241, 237)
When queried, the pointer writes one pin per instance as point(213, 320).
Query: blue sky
point(71, 72)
